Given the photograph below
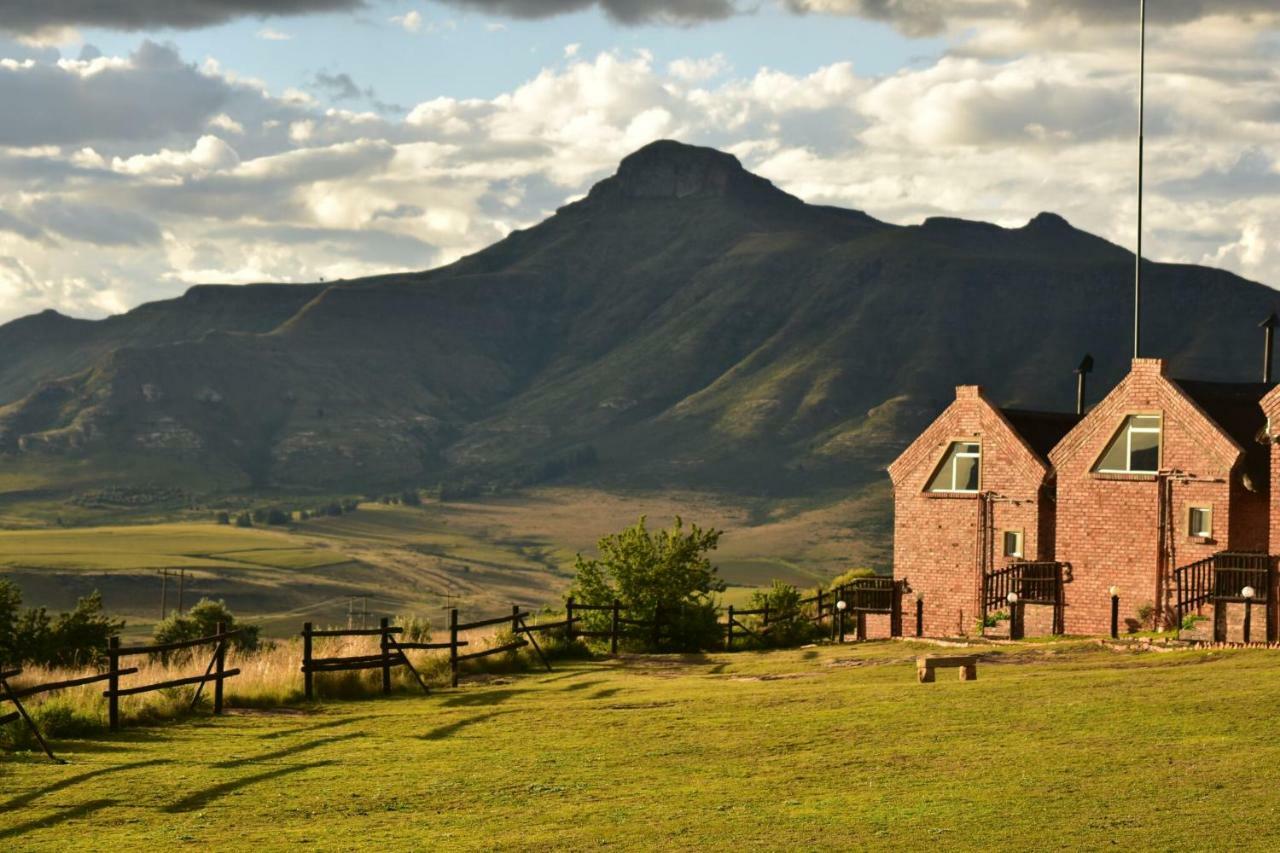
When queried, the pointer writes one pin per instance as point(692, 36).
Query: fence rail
point(216, 672)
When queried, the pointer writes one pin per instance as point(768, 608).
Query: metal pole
point(919, 617)
point(1142, 102)
point(1115, 617)
point(1248, 618)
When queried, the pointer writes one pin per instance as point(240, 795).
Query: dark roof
point(1041, 430)
point(1234, 407)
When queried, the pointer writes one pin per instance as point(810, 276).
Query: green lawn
point(1054, 747)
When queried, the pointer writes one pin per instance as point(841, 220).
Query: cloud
point(94, 223)
point(269, 34)
point(411, 21)
point(623, 11)
point(148, 94)
point(25, 17)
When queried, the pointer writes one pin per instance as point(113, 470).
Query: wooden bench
point(926, 664)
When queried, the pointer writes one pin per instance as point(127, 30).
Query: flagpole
point(1142, 101)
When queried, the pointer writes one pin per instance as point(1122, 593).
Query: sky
point(148, 145)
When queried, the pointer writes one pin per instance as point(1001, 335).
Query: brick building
point(1161, 474)
point(972, 493)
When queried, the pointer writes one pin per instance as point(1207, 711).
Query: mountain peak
point(1049, 221)
point(673, 170)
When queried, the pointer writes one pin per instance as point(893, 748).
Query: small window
point(1013, 543)
point(1200, 521)
point(959, 469)
point(1135, 448)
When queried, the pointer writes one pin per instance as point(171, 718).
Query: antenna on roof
point(1142, 99)
point(1269, 325)
point(1086, 367)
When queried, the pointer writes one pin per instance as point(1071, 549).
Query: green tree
point(202, 621)
point(222, 517)
point(79, 638)
point(667, 571)
point(783, 600)
point(10, 613)
point(244, 520)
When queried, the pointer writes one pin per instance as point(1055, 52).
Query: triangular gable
point(998, 434)
point(1180, 406)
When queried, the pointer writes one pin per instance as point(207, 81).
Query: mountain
point(685, 324)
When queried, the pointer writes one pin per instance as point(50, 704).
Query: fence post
point(860, 623)
point(113, 683)
point(453, 647)
point(308, 677)
point(819, 605)
point(384, 623)
point(728, 634)
point(219, 666)
point(839, 622)
point(766, 614)
point(568, 615)
point(613, 637)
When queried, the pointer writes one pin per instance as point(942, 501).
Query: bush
point(850, 576)
point(783, 600)
point(244, 520)
point(278, 517)
point(1190, 621)
point(667, 571)
point(31, 636)
point(223, 517)
point(202, 621)
point(410, 497)
point(1147, 616)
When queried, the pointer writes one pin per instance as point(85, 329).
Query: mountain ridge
point(685, 323)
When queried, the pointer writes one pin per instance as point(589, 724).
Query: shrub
point(32, 636)
point(278, 517)
point(850, 576)
point(223, 517)
point(1147, 615)
point(783, 600)
point(410, 497)
point(667, 571)
point(244, 520)
point(1190, 621)
point(202, 621)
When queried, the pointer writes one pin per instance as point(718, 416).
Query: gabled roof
point(1236, 408)
point(1041, 430)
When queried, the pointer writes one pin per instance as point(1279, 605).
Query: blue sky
point(463, 54)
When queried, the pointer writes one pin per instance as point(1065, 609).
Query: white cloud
point(411, 21)
point(270, 34)
point(571, 50)
point(698, 70)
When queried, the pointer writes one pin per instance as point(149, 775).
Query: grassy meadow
point(480, 556)
point(1056, 746)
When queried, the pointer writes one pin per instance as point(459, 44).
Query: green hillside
point(684, 325)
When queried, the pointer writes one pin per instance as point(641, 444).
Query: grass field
point(480, 556)
point(1056, 746)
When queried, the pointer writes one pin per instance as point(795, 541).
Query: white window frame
point(1021, 553)
point(1207, 511)
point(1129, 430)
point(960, 454)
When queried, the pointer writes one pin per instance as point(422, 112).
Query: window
point(1135, 449)
point(959, 469)
point(1200, 521)
point(1013, 543)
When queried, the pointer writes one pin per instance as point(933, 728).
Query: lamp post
point(1247, 594)
point(1014, 632)
point(841, 606)
point(919, 614)
point(1115, 612)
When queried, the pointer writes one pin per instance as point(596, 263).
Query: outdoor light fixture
point(841, 605)
point(1012, 598)
point(1115, 612)
point(1115, 591)
point(1247, 593)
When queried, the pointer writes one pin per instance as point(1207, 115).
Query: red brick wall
point(936, 537)
point(1108, 525)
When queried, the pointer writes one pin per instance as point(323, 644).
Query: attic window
point(959, 469)
point(1135, 448)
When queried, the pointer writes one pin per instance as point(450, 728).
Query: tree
point(10, 613)
point(278, 517)
point(202, 621)
point(667, 571)
point(31, 635)
point(222, 517)
point(244, 520)
point(783, 601)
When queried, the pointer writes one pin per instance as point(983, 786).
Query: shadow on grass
point(200, 799)
point(440, 732)
point(287, 751)
point(26, 799)
point(315, 727)
point(564, 677)
point(71, 813)
point(472, 699)
point(581, 685)
point(605, 693)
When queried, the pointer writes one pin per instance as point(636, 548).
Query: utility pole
point(182, 582)
point(1142, 103)
point(164, 594)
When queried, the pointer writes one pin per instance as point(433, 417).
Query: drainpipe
point(1085, 368)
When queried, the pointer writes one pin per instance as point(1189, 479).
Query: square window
point(1200, 521)
point(1013, 543)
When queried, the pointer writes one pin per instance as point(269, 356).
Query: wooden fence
point(10, 694)
point(215, 672)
